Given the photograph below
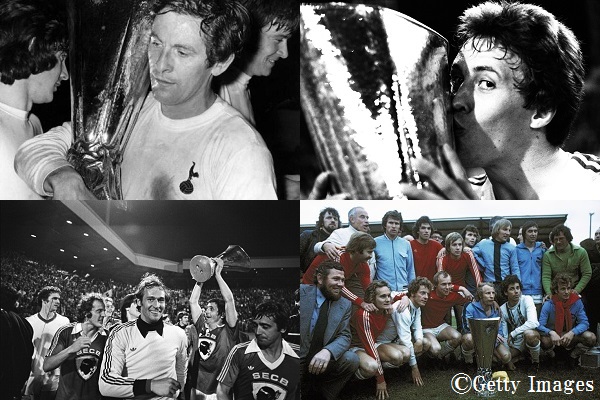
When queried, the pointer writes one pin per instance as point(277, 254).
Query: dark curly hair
point(31, 32)
point(86, 304)
point(551, 60)
point(276, 311)
point(224, 27)
point(561, 228)
point(283, 15)
point(333, 212)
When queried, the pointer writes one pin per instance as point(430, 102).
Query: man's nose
point(461, 99)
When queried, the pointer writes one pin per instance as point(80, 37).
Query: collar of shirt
point(78, 329)
point(145, 327)
point(320, 298)
point(287, 349)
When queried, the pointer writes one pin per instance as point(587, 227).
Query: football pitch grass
point(548, 383)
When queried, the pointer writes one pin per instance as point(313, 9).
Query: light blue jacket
point(484, 254)
point(548, 313)
point(394, 261)
point(530, 267)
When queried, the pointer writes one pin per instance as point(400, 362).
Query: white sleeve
point(111, 382)
point(333, 238)
point(531, 315)
point(418, 331)
point(248, 175)
point(40, 156)
point(403, 324)
point(181, 359)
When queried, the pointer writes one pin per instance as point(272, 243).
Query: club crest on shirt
point(267, 391)
point(206, 346)
point(86, 366)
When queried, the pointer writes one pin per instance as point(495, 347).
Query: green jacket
point(575, 262)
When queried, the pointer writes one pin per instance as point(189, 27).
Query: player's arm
point(58, 353)
point(181, 360)
point(230, 312)
point(229, 374)
point(223, 392)
point(194, 298)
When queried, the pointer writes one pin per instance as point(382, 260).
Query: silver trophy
point(374, 88)
point(109, 81)
point(202, 268)
point(484, 332)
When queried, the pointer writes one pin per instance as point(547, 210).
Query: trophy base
point(591, 358)
point(486, 376)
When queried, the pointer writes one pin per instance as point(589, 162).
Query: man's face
point(513, 293)
point(503, 234)
point(531, 234)
point(597, 236)
point(489, 119)
point(212, 313)
point(564, 291)
point(41, 87)
point(560, 242)
point(420, 298)
point(266, 332)
point(456, 247)
point(331, 286)
point(108, 307)
point(437, 237)
point(179, 74)
point(444, 286)
point(424, 232)
point(488, 295)
point(330, 222)
point(383, 297)
point(365, 255)
point(53, 301)
point(184, 321)
point(133, 309)
point(272, 46)
point(392, 228)
point(360, 220)
point(153, 305)
point(470, 239)
point(97, 314)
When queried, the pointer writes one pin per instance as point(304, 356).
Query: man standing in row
point(329, 220)
point(425, 251)
point(529, 255)
point(358, 219)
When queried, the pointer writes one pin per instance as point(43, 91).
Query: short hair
point(181, 314)
point(125, 304)
point(149, 281)
point(415, 285)
point(451, 238)
point(224, 25)
point(86, 304)
point(562, 278)
point(31, 32)
point(283, 15)
point(333, 212)
point(352, 212)
point(438, 275)
point(480, 286)
point(46, 291)
point(565, 231)
point(551, 60)
point(510, 280)
point(220, 305)
point(325, 267)
point(371, 290)
point(470, 228)
point(360, 241)
point(274, 310)
point(500, 224)
point(393, 214)
point(527, 225)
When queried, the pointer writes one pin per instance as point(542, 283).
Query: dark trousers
point(330, 383)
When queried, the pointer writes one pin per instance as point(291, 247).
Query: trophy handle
point(202, 268)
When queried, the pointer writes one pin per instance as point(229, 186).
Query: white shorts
point(518, 343)
point(436, 331)
point(355, 349)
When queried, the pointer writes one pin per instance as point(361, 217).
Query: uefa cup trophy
point(485, 333)
point(108, 64)
point(375, 92)
point(202, 268)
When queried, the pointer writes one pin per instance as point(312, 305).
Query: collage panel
point(450, 100)
point(443, 299)
point(139, 299)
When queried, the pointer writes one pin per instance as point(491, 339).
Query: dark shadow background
point(582, 16)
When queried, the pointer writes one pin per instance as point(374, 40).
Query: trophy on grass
point(375, 92)
point(484, 332)
point(108, 64)
point(234, 258)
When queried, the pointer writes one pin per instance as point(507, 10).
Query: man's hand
point(82, 342)
point(370, 307)
point(401, 304)
point(465, 292)
point(441, 253)
point(454, 187)
point(319, 362)
point(546, 297)
point(500, 339)
point(555, 338)
point(219, 266)
point(67, 184)
point(324, 185)
point(164, 387)
point(567, 338)
point(416, 375)
point(381, 393)
point(332, 251)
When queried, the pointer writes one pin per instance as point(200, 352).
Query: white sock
point(535, 352)
point(468, 355)
point(359, 375)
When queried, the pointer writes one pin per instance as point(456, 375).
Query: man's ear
point(541, 119)
point(221, 67)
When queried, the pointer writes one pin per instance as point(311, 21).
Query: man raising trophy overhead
point(215, 331)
